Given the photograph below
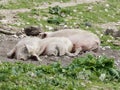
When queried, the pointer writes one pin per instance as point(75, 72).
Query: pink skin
point(81, 39)
point(57, 46)
point(25, 48)
point(34, 46)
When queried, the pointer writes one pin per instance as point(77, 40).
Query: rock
point(32, 31)
point(109, 31)
point(88, 24)
point(112, 32)
point(116, 42)
point(116, 34)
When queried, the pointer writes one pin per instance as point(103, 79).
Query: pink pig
point(82, 40)
point(32, 47)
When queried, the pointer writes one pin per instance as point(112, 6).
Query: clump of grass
point(107, 40)
point(55, 20)
point(78, 15)
point(93, 67)
point(57, 10)
point(59, 14)
point(17, 4)
point(100, 71)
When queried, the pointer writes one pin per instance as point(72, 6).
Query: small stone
point(83, 84)
point(116, 34)
point(74, 10)
point(90, 8)
point(32, 74)
point(88, 24)
point(102, 77)
point(109, 40)
point(65, 26)
point(15, 36)
point(109, 31)
point(116, 42)
point(106, 10)
point(107, 47)
point(45, 18)
point(49, 27)
point(107, 5)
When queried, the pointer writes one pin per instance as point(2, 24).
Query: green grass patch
point(107, 40)
point(78, 16)
point(17, 4)
point(83, 73)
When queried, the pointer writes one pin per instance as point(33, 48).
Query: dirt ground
point(7, 42)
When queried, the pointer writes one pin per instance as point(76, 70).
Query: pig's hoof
point(35, 57)
point(39, 59)
point(71, 54)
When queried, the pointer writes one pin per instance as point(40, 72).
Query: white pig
point(34, 46)
point(82, 40)
point(57, 46)
point(26, 48)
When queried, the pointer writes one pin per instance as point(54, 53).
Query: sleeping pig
point(82, 40)
point(57, 46)
point(33, 47)
point(25, 48)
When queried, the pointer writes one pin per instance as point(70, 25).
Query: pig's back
point(66, 33)
point(32, 41)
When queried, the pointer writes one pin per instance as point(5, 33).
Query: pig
point(58, 46)
point(26, 48)
point(82, 40)
point(32, 47)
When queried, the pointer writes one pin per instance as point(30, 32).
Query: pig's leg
point(70, 54)
point(52, 53)
point(41, 50)
point(35, 56)
point(11, 54)
point(65, 51)
point(77, 51)
point(52, 50)
point(73, 54)
point(61, 50)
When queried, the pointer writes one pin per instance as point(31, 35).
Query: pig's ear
point(29, 48)
point(43, 35)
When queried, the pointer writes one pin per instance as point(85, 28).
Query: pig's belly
point(86, 43)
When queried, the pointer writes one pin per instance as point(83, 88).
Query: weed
point(76, 75)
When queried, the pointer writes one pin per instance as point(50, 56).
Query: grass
point(83, 73)
point(106, 40)
point(80, 14)
point(18, 4)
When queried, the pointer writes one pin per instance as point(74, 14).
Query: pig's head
point(30, 50)
point(32, 53)
point(45, 34)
